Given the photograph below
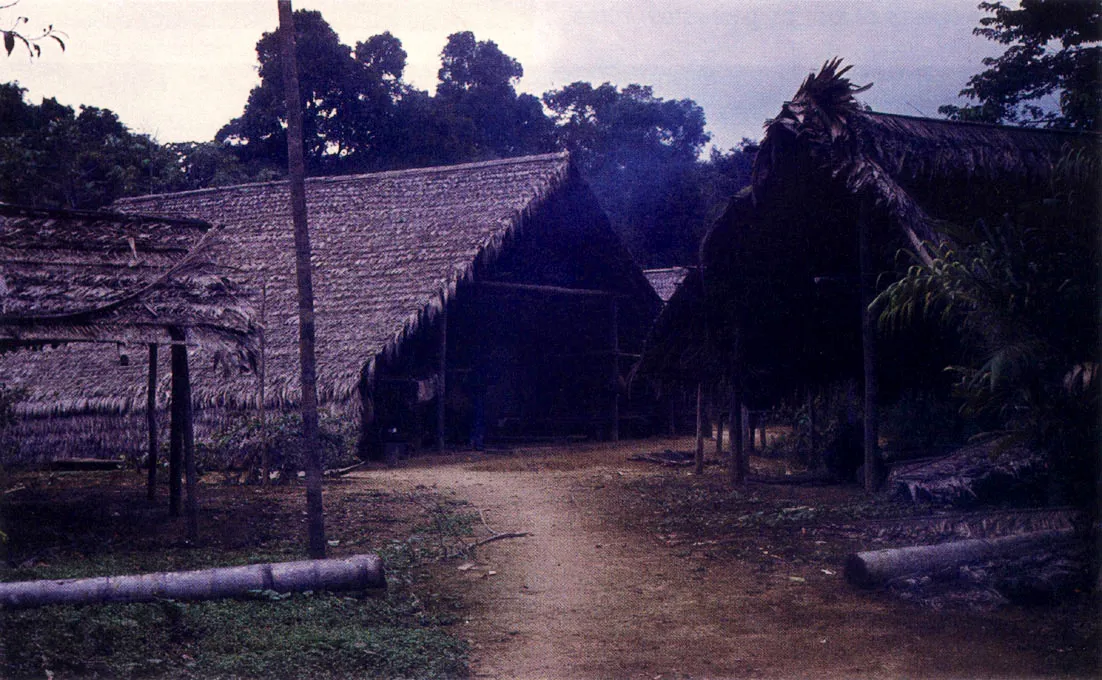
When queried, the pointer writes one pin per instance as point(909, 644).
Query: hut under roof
point(501, 282)
point(781, 268)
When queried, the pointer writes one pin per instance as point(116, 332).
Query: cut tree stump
point(359, 572)
point(877, 567)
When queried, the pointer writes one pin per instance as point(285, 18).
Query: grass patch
point(402, 633)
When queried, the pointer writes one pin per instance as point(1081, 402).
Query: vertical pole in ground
point(614, 342)
point(297, 175)
point(442, 377)
point(151, 423)
point(177, 418)
point(699, 459)
point(868, 347)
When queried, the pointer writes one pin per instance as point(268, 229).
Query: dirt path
point(586, 597)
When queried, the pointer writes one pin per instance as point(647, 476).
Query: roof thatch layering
point(899, 162)
point(389, 250)
point(76, 276)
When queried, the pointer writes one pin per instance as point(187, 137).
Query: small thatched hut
point(453, 303)
point(839, 195)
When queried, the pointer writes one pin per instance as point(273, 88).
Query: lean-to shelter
point(453, 303)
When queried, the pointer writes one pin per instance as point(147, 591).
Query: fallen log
point(876, 567)
point(359, 572)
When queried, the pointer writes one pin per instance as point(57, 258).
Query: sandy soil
point(592, 593)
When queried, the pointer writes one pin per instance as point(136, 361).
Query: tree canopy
point(640, 153)
point(1050, 73)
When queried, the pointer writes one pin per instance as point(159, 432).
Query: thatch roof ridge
point(338, 179)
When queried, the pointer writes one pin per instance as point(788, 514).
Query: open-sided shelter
point(453, 303)
point(77, 285)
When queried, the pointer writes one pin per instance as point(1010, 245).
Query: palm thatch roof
point(68, 276)
point(389, 250)
point(780, 266)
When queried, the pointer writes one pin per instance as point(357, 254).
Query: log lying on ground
point(876, 567)
point(359, 572)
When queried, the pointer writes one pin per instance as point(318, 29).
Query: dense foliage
point(640, 153)
point(1051, 71)
point(1023, 295)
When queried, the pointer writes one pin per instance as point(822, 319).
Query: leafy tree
point(331, 83)
point(640, 155)
point(1053, 51)
point(476, 97)
point(52, 156)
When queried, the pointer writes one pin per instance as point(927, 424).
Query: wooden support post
point(183, 439)
point(176, 433)
point(614, 341)
point(441, 378)
point(719, 430)
point(151, 423)
point(868, 347)
point(736, 465)
point(813, 438)
point(750, 427)
point(699, 428)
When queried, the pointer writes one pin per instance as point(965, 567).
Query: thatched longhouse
point(500, 281)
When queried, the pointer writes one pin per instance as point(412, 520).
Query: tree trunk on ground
point(868, 569)
point(297, 175)
point(360, 572)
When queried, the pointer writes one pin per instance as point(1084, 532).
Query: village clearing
point(601, 567)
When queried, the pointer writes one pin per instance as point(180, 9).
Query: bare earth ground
point(598, 590)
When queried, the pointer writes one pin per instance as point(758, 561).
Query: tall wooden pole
point(297, 175)
point(151, 423)
point(868, 346)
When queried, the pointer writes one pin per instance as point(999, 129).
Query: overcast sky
point(180, 70)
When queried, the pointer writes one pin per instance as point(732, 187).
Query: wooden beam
point(503, 286)
point(151, 422)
